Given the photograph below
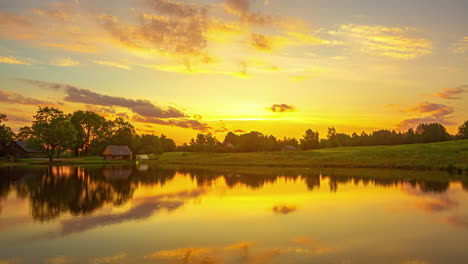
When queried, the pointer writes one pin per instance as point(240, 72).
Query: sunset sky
point(274, 66)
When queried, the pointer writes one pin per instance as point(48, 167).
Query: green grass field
point(452, 155)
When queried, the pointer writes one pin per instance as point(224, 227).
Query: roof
point(113, 150)
point(25, 147)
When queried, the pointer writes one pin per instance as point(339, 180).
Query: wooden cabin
point(20, 149)
point(113, 152)
point(288, 148)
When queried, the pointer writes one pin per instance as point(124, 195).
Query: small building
point(113, 152)
point(288, 148)
point(20, 149)
point(228, 144)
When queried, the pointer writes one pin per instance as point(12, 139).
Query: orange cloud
point(452, 93)
point(461, 46)
point(65, 62)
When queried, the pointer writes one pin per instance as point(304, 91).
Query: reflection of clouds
point(433, 204)
point(457, 221)
point(439, 204)
point(284, 209)
point(241, 252)
point(315, 246)
point(145, 208)
point(110, 259)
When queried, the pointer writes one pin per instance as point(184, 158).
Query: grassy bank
point(452, 155)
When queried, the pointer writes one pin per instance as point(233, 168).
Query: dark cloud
point(282, 108)
point(16, 98)
point(142, 107)
point(261, 42)
point(413, 122)
point(43, 84)
point(184, 123)
point(452, 93)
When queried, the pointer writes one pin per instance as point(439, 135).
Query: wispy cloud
point(16, 98)
point(65, 62)
point(460, 46)
point(393, 42)
point(13, 60)
point(452, 93)
point(427, 113)
point(113, 64)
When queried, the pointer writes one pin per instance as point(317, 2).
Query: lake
point(149, 214)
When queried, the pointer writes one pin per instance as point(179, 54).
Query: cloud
point(7, 19)
point(282, 108)
point(142, 107)
point(461, 46)
point(113, 64)
point(436, 110)
point(13, 60)
point(183, 123)
point(43, 84)
point(393, 42)
point(242, 10)
point(16, 98)
point(428, 113)
point(261, 42)
point(452, 93)
point(77, 46)
point(65, 62)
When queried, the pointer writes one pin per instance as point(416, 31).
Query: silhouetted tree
point(434, 132)
point(310, 140)
point(463, 131)
point(6, 134)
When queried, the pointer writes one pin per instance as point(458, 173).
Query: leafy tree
point(24, 133)
point(52, 132)
point(88, 126)
point(463, 131)
point(310, 140)
point(6, 134)
point(434, 132)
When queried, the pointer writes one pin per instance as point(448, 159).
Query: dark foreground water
point(145, 214)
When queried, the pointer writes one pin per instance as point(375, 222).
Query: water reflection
point(151, 214)
point(81, 190)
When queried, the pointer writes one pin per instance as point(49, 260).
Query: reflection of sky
point(180, 223)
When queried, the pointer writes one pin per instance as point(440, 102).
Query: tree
point(24, 133)
point(310, 140)
point(88, 126)
point(434, 132)
point(463, 131)
point(6, 134)
point(52, 132)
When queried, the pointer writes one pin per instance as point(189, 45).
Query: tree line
point(255, 141)
point(82, 133)
point(54, 132)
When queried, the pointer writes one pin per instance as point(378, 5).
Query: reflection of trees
point(77, 190)
point(81, 190)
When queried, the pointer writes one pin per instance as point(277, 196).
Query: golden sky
point(278, 67)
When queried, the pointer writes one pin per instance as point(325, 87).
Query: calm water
point(144, 214)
